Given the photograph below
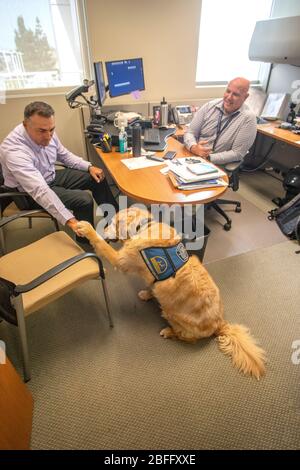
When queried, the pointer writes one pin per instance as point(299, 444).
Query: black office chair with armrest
point(232, 169)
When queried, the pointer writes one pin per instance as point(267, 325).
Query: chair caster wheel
point(238, 209)
point(227, 226)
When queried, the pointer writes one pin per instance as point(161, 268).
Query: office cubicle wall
point(146, 109)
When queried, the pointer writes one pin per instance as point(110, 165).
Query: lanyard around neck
point(221, 129)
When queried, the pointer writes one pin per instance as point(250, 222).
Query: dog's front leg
point(145, 294)
point(101, 247)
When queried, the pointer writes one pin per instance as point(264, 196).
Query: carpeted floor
point(250, 230)
point(127, 388)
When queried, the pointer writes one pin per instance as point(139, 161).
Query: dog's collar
point(164, 262)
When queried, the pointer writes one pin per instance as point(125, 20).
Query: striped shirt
point(31, 168)
point(234, 140)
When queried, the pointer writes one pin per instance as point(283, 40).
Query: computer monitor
point(125, 76)
point(99, 82)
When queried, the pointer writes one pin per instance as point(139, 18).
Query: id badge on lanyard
point(221, 129)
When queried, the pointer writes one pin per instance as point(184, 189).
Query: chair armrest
point(13, 193)
point(7, 220)
point(233, 166)
point(21, 289)
point(233, 172)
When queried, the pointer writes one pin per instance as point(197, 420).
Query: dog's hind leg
point(145, 294)
point(167, 333)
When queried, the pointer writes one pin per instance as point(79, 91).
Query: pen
point(192, 160)
point(156, 159)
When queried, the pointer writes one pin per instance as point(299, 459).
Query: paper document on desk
point(136, 163)
point(208, 184)
point(182, 171)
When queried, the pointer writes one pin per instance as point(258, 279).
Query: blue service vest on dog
point(163, 262)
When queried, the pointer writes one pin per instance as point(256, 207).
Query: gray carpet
point(126, 388)
point(250, 230)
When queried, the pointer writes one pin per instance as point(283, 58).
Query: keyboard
point(151, 136)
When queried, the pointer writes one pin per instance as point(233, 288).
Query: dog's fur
point(190, 301)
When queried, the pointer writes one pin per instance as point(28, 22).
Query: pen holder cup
point(105, 144)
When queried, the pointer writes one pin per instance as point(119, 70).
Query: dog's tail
point(236, 341)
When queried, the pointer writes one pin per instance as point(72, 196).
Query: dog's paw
point(167, 333)
point(85, 229)
point(145, 295)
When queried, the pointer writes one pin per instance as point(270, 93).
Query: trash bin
point(200, 253)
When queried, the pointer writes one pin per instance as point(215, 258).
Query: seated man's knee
point(86, 199)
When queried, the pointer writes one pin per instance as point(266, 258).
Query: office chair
point(39, 280)
point(8, 208)
point(232, 169)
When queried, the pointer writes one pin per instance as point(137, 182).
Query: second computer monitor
point(125, 76)
point(99, 82)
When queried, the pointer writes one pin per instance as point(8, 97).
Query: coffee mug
point(120, 120)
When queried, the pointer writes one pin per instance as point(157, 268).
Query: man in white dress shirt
point(223, 130)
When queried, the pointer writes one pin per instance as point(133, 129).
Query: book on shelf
point(211, 183)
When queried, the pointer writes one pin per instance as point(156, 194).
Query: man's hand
point(96, 173)
point(201, 149)
point(72, 223)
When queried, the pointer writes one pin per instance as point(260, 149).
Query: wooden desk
point(271, 130)
point(149, 186)
point(16, 407)
point(284, 151)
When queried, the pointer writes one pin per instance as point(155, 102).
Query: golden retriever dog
point(190, 301)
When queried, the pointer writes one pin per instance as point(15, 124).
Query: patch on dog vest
point(163, 262)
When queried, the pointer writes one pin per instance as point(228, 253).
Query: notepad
point(201, 168)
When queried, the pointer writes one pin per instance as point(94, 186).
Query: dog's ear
point(130, 220)
point(140, 223)
point(137, 219)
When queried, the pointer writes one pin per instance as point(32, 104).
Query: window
point(39, 44)
point(226, 28)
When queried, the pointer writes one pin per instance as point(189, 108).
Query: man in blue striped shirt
point(223, 130)
point(28, 155)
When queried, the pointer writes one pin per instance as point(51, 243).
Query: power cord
point(265, 160)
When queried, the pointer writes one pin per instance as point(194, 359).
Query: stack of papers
point(194, 172)
point(187, 174)
point(207, 184)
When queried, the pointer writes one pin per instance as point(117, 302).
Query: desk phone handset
point(173, 115)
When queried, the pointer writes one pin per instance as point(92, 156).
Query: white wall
point(283, 76)
point(283, 8)
point(163, 32)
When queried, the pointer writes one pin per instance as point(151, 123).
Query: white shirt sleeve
point(192, 133)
